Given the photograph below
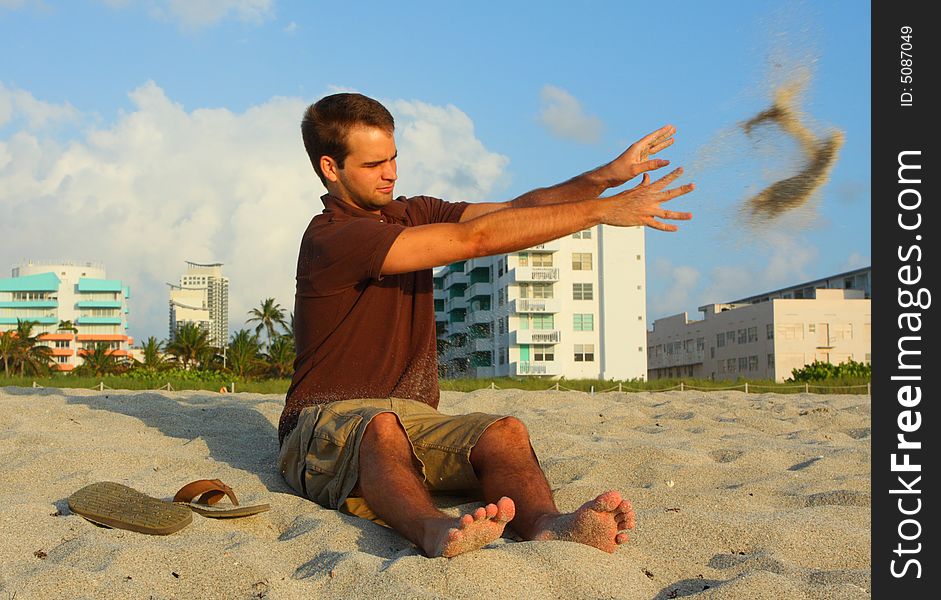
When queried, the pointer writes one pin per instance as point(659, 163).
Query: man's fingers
point(651, 165)
point(654, 224)
point(676, 216)
point(658, 146)
point(675, 192)
point(666, 179)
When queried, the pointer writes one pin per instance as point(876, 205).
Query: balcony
point(535, 368)
point(676, 359)
point(534, 274)
point(457, 303)
point(479, 289)
point(455, 278)
point(480, 345)
point(475, 317)
point(535, 305)
point(535, 336)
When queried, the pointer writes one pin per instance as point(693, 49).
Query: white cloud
point(680, 283)
point(856, 261)
point(563, 116)
point(160, 185)
point(37, 113)
point(291, 27)
point(440, 155)
point(787, 263)
point(193, 14)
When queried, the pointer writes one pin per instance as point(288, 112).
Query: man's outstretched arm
point(513, 229)
point(631, 163)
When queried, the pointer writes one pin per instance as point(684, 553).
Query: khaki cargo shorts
point(320, 457)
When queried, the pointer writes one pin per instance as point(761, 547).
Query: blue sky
point(143, 133)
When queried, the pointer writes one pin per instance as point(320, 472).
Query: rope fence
point(746, 387)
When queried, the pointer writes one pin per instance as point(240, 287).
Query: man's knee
point(385, 428)
point(508, 431)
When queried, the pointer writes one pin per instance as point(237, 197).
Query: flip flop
point(207, 492)
point(115, 505)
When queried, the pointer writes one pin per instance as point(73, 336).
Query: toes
point(606, 502)
point(621, 538)
point(466, 520)
point(506, 510)
point(492, 511)
point(480, 514)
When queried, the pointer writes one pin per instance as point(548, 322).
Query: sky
point(145, 133)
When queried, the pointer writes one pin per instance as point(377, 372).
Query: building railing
point(536, 305)
point(535, 274)
point(536, 336)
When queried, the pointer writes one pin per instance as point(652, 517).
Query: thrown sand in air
point(820, 155)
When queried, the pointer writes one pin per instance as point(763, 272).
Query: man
point(359, 431)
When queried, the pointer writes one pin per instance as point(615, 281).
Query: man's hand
point(636, 159)
point(640, 205)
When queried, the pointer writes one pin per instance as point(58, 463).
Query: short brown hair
point(327, 124)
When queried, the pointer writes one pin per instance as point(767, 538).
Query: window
point(812, 328)
point(62, 343)
point(769, 331)
point(752, 334)
point(584, 322)
point(742, 364)
point(584, 235)
point(753, 363)
point(581, 261)
point(542, 290)
point(700, 344)
point(583, 291)
point(542, 260)
point(584, 352)
point(543, 353)
point(729, 337)
point(503, 354)
point(522, 259)
point(712, 352)
point(742, 336)
point(771, 361)
point(500, 268)
point(730, 365)
point(62, 359)
point(543, 322)
point(501, 296)
point(720, 340)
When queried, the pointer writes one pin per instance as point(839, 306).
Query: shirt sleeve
point(343, 254)
point(423, 210)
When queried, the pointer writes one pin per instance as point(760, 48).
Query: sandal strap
point(208, 491)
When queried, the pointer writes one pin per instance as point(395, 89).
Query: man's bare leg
point(506, 466)
point(391, 486)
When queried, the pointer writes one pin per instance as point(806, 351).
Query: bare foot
point(450, 537)
point(599, 523)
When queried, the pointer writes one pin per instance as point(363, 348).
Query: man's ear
point(329, 168)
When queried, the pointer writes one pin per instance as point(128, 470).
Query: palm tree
point(190, 345)
point(7, 350)
point(28, 353)
point(153, 354)
point(243, 353)
point(281, 356)
point(267, 315)
point(67, 326)
point(100, 361)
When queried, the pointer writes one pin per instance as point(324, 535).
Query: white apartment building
point(73, 305)
point(763, 339)
point(202, 298)
point(574, 307)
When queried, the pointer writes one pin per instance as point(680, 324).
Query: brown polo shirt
point(359, 334)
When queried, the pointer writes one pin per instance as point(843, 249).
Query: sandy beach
point(737, 496)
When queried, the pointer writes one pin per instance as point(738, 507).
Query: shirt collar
point(393, 210)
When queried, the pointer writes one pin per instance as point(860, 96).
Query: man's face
point(368, 176)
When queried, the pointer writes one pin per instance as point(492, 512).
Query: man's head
point(349, 139)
